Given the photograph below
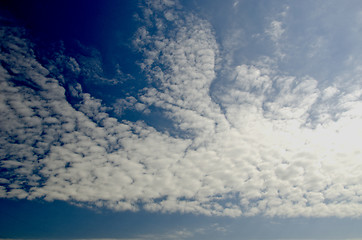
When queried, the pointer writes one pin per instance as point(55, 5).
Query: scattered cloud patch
point(275, 30)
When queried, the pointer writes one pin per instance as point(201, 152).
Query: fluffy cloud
point(262, 143)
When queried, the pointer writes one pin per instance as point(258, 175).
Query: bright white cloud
point(263, 143)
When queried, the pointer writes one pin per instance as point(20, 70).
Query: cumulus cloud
point(262, 143)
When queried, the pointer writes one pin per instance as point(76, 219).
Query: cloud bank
point(261, 142)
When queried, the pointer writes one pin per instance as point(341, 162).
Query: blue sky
point(181, 120)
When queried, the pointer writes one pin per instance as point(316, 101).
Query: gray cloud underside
point(262, 143)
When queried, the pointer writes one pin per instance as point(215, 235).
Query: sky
point(189, 119)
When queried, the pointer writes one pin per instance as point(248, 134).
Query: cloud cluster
point(262, 143)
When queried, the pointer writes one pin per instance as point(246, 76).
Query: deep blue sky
point(59, 220)
point(191, 119)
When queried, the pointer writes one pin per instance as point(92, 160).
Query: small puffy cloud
point(130, 103)
point(235, 4)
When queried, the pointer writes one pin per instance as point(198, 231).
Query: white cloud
point(262, 148)
point(275, 30)
point(177, 234)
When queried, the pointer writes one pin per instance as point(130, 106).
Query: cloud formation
point(262, 142)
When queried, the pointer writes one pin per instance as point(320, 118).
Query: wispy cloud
point(275, 30)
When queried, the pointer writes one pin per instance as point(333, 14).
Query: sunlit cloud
point(261, 142)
